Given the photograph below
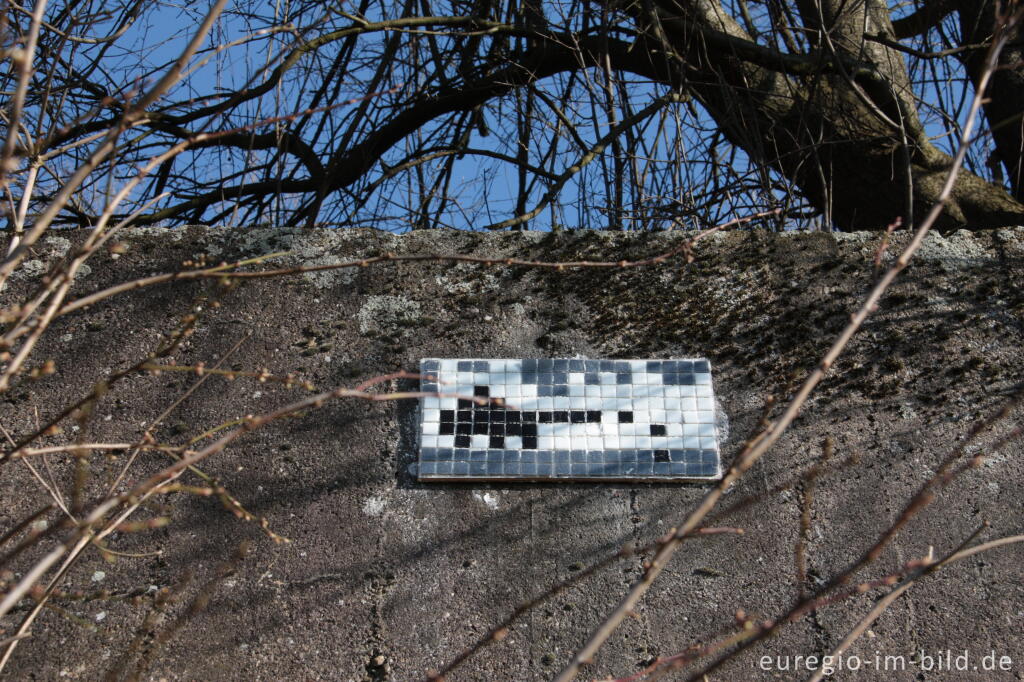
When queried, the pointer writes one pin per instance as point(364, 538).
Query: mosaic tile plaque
point(568, 419)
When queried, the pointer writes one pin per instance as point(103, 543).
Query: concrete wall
point(385, 578)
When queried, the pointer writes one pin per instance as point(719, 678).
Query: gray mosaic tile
point(568, 419)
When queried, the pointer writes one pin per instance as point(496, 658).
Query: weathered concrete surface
point(387, 579)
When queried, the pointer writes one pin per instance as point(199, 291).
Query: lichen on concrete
point(387, 314)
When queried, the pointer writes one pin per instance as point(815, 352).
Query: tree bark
point(847, 132)
point(1005, 107)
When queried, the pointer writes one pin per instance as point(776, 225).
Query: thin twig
point(227, 271)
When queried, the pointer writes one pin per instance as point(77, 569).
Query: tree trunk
point(840, 122)
point(1005, 105)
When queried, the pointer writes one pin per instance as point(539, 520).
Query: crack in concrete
point(822, 637)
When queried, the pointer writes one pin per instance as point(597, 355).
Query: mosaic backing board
point(568, 419)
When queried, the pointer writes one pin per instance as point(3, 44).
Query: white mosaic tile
point(568, 419)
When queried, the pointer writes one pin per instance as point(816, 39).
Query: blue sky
point(485, 189)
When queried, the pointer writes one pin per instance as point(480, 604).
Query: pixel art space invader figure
point(568, 418)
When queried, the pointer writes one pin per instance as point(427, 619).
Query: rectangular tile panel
point(568, 419)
